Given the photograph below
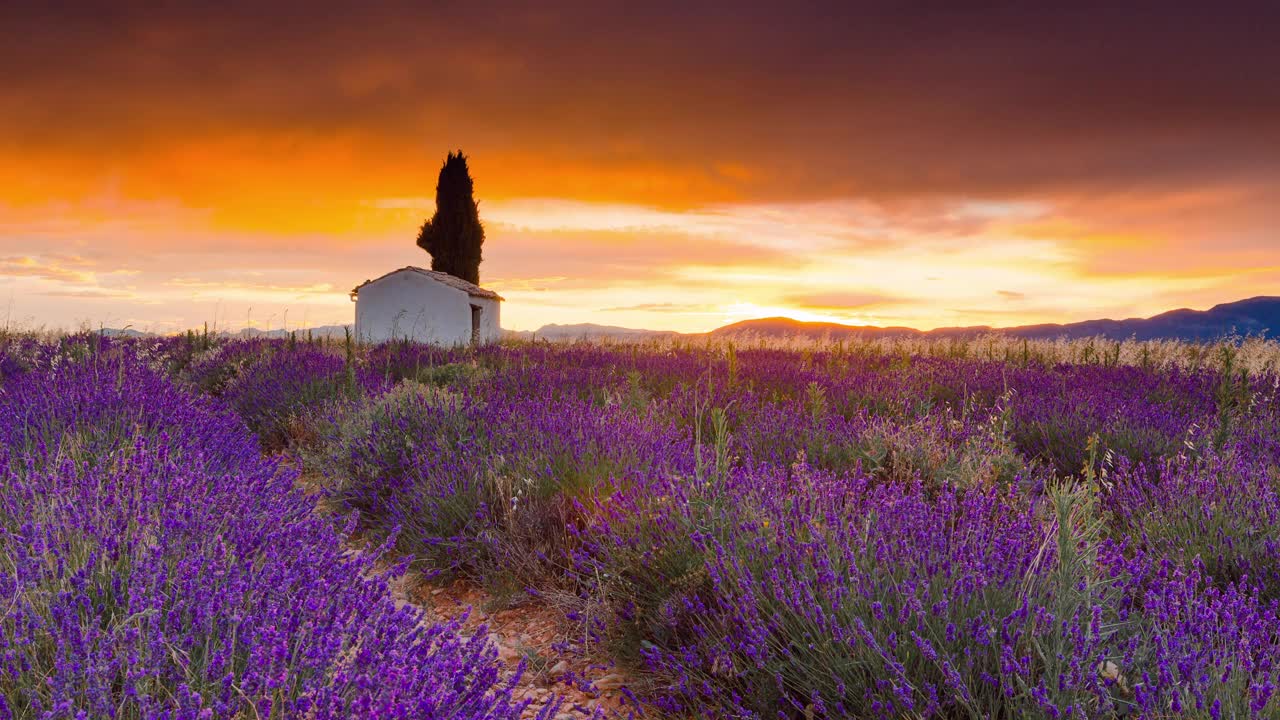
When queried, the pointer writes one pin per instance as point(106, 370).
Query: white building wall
point(413, 306)
point(490, 319)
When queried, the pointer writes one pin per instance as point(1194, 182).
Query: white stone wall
point(411, 305)
point(490, 319)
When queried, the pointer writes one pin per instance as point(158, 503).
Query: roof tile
point(456, 283)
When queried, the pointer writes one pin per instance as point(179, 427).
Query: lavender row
point(776, 533)
point(154, 564)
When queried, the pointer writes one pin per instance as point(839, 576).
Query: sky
point(660, 165)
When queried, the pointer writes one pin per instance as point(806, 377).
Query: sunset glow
point(178, 168)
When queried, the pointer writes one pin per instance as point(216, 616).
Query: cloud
point(214, 287)
point(1011, 295)
point(677, 308)
point(649, 307)
point(1101, 159)
point(922, 263)
point(97, 293)
point(525, 284)
point(842, 300)
point(897, 99)
point(56, 268)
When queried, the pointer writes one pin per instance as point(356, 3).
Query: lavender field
point(194, 527)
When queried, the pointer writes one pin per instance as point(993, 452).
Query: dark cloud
point(783, 101)
point(161, 141)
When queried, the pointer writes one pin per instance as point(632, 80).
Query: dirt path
point(557, 664)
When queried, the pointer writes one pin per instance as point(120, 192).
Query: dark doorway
point(475, 324)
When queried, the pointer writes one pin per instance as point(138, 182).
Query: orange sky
point(666, 167)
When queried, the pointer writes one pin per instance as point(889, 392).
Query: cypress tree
point(453, 235)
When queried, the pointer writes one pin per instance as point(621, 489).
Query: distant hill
point(589, 331)
point(783, 327)
point(331, 331)
point(1255, 316)
point(123, 332)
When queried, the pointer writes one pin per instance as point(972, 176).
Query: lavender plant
point(154, 564)
point(985, 530)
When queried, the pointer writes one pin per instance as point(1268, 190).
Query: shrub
point(212, 370)
point(1221, 511)
point(1210, 651)
point(163, 568)
point(856, 600)
point(885, 530)
point(401, 460)
point(283, 386)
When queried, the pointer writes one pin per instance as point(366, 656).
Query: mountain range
point(1258, 316)
point(326, 331)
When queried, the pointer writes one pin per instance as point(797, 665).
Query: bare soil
point(558, 664)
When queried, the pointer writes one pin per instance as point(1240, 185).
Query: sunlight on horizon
point(951, 262)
